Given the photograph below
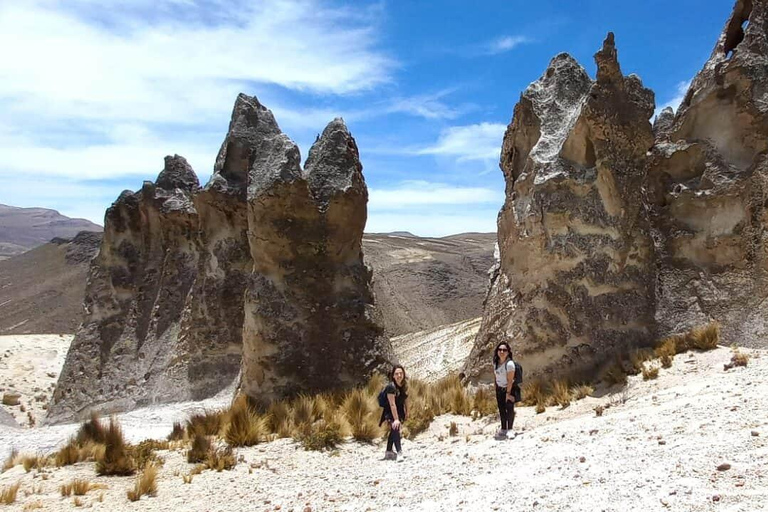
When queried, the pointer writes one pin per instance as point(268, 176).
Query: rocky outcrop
point(308, 305)
point(574, 278)
point(264, 266)
point(708, 186)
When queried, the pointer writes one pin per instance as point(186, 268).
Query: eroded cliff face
point(707, 189)
point(124, 353)
point(574, 278)
point(263, 266)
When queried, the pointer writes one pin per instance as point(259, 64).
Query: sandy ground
point(30, 366)
point(657, 447)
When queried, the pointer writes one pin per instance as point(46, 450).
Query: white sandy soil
point(657, 447)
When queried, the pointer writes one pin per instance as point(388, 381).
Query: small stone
point(307, 509)
point(740, 483)
point(662, 442)
point(716, 498)
point(724, 467)
point(755, 433)
point(582, 459)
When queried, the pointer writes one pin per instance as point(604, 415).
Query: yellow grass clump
point(8, 494)
point(360, 411)
point(244, 426)
point(145, 485)
point(116, 458)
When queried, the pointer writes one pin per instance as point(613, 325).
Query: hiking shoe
point(390, 456)
point(400, 456)
point(501, 434)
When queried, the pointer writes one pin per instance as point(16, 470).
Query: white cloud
point(410, 194)
point(471, 142)
point(680, 91)
point(505, 44)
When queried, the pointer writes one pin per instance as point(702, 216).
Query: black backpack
point(383, 400)
point(518, 383)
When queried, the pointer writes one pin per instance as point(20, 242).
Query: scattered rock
point(724, 467)
point(11, 399)
point(755, 433)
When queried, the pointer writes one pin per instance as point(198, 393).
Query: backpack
point(383, 400)
point(517, 383)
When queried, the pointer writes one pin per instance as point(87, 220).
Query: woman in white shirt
point(504, 371)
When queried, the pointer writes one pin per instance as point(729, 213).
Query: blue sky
point(93, 94)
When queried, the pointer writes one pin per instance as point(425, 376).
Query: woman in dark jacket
point(396, 411)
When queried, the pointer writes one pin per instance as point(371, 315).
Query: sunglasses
point(503, 350)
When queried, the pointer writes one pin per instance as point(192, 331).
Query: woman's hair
point(496, 359)
point(404, 386)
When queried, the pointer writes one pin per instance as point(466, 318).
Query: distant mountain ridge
point(22, 229)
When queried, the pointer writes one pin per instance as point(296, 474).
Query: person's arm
point(510, 381)
point(393, 408)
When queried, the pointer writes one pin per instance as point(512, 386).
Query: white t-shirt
point(501, 372)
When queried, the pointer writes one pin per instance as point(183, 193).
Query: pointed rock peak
point(177, 173)
point(608, 69)
point(333, 161)
point(249, 114)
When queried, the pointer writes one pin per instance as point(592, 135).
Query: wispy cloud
point(680, 91)
point(471, 142)
point(504, 44)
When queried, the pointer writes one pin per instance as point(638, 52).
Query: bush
point(31, 462)
point(615, 374)
point(279, 419)
point(561, 393)
point(145, 485)
point(705, 337)
point(582, 391)
point(325, 434)
point(77, 487)
point(116, 458)
point(144, 452)
point(484, 401)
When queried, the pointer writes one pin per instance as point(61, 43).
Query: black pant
point(506, 409)
point(394, 438)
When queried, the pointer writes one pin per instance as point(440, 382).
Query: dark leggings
point(506, 409)
point(394, 438)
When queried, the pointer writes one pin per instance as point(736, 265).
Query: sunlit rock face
point(574, 274)
point(707, 189)
point(259, 274)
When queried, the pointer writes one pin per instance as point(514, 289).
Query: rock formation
point(264, 264)
point(708, 185)
point(574, 278)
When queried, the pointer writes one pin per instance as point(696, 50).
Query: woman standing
point(396, 412)
point(504, 371)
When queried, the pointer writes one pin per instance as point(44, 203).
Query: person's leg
point(395, 436)
point(501, 399)
point(391, 439)
point(510, 414)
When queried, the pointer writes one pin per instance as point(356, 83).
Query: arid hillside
point(22, 229)
point(420, 283)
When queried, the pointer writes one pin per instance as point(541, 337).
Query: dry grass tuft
point(144, 452)
point(650, 372)
point(31, 462)
point(540, 408)
point(33, 505)
point(561, 393)
point(279, 419)
point(198, 452)
point(8, 494)
point(453, 429)
point(92, 430)
point(116, 458)
point(582, 391)
point(78, 487)
point(738, 358)
point(325, 434)
point(178, 433)
point(244, 426)
point(705, 337)
point(77, 502)
point(207, 423)
point(220, 459)
point(10, 461)
point(360, 410)
point(484, 401)
point(146, 484)
point(599, 410)
point(533, 393)
point(375, 384)
point(615, 374)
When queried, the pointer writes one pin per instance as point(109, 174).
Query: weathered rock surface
point(574, 278)
point(308, 303)
point(263, 265)
point(708, 185)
